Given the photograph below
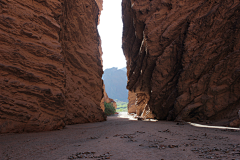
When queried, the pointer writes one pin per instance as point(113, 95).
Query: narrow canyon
point(183, 62)
point(183, 69)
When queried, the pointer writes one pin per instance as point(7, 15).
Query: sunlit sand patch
point(126, 115)
point(133, 117)
point(207, 126)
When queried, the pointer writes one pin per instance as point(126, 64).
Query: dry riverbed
point(124, 138)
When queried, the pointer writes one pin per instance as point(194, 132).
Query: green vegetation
point(109, 109)
point(121, 106)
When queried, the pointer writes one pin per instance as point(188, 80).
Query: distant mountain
point(124, 69)
point(115, 81)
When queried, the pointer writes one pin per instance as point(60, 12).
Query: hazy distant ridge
point(115, 81)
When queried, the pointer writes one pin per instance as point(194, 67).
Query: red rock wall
point(183, 57)
point(50, 64)
point(80, 43)
point(100, 7)
point(131, 102)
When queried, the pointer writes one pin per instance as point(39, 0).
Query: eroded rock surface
point(50, 64)
point(83, 67)
point(107, 100)
point(183, 57)
point(131, 102)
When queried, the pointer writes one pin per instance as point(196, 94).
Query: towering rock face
point(183, 57)
point(50, 64)
point(80, 43)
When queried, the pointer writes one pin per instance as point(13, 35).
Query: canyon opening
point(114, 62)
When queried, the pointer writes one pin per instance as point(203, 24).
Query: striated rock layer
point(183, 57)
point(50, 64)
point(83, 68)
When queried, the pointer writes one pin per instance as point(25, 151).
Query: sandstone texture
point(131, 102)
point(183, 58)
point(107, 100)
point(83, 68)
point(50, 64)
point(100, 7)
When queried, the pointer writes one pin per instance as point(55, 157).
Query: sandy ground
point(120, 138)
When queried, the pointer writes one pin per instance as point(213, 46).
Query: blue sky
point(110, 30)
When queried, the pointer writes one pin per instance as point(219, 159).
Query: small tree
point(109, 109)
